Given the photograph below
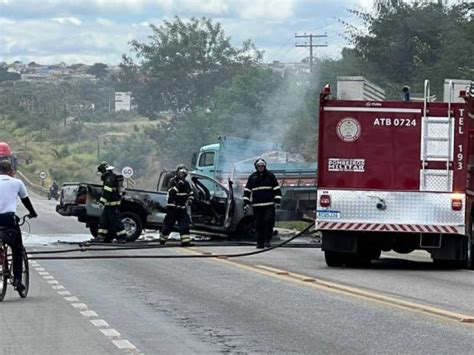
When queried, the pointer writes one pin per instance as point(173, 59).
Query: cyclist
point(10, 189)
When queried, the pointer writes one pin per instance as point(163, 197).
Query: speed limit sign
point(127, 172)
point(43, 175)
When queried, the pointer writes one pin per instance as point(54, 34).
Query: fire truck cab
point(396, 175)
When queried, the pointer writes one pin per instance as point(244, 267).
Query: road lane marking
point(101, 324)
point(80, 306)
point(346, 290)
point(110, 333)
point(89, 314)
point(72, 299)
point(124, 344)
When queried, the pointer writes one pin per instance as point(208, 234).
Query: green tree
point(406, 44)
point(182, 135)
point(99, 70)
point(134, 151)
point(183, 62)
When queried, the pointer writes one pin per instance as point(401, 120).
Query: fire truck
point(396, 175)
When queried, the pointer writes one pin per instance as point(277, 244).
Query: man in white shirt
point(10, 190)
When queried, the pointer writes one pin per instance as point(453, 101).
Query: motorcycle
point(53, 193)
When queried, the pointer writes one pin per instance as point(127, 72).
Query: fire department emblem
point(348, 129)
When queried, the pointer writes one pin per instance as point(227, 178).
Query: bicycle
point(6, 274)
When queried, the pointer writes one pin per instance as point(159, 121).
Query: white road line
point(72, 299)
point(100, 323)
point(111, 333)
point(124, 344)
point(89, 314)
point(103, 326)
point(79, 306)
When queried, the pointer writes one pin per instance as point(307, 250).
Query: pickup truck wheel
point(133, 225)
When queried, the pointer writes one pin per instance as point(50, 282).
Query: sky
point(91, 31)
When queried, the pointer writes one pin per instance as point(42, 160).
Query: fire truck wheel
point(470, 256)
point(336, 259)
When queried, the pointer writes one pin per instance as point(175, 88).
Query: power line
point(310, 45)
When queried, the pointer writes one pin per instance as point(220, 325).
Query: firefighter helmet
point(181, 168)
point(103, 167)
point(260, 162)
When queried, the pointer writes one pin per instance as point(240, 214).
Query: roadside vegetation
point(191, 85)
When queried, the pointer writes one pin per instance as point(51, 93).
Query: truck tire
point(468, 252)
point(469, 261)
point(336, 259)
point(132, 224)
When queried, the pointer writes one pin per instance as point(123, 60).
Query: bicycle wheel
point(25, 276)
point(4, 271)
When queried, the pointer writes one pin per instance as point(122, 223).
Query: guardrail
point(31, 186)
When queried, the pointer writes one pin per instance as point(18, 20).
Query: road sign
point(127, 172)
point(43, 175)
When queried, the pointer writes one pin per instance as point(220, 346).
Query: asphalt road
point(184, 305)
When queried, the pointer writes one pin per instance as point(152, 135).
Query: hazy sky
point(89, 31)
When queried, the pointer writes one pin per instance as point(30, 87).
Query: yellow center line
point(338, 288)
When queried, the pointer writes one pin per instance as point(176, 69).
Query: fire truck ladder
point(437, 139)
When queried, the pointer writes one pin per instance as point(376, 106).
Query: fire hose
point(86, 247)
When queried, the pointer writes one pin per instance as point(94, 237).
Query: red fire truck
point(396, 175)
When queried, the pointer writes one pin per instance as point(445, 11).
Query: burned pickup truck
point(215, 212)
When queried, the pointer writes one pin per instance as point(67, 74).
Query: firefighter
point(180, 196)
point(263, 193)
point(110, 226)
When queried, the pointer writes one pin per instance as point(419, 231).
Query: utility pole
point(310, 45)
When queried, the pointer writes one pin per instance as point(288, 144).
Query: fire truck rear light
point(325, 200)
point(456, 204)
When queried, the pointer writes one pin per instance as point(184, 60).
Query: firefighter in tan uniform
point(180, 196)
point(263, 193)
point(110, 226)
